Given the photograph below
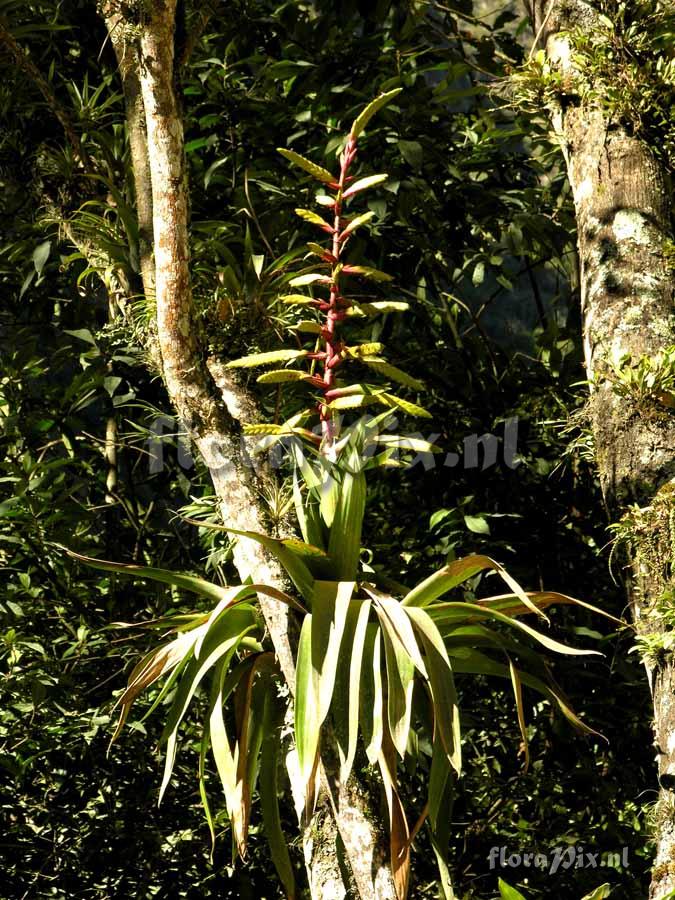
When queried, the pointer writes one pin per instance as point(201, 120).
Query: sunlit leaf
point(373, 107)
point(317, 172)
point(281, 376)
point(266, 359)
point(363, 184)
point(392, 372)
point(314, 219)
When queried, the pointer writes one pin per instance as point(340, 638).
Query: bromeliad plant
point(380, 665)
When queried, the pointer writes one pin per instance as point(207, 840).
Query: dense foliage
point(475, 228)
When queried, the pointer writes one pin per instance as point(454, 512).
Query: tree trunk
point(622, 204)
point(210, 402)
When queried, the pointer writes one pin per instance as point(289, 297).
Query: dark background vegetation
point(477, 228)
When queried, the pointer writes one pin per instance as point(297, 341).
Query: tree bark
point(210, 403)
point(624, 225)
point(125, 44)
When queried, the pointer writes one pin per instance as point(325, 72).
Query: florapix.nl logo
point(476, 451)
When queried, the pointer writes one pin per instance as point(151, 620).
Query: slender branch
point(26, 65)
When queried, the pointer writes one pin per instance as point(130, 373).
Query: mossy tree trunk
point(622, 202)
point(212, 405)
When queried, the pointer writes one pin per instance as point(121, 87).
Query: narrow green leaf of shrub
point(373, 107)
point(317, 172)
point(266, 359)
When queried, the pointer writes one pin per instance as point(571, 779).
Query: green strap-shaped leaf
point(477, 663)
point(442, 683)
point(317, 172)
point(186, 582)
point(307, 726)
point(269, 798)
point(203, 793)
point(395, 619)
point(517, 685)
point(289, 552)
point(373, 107)
point(225, 757)
point(329, 615)
point(511, 605)
point(482, 613)
point(441, 798)
point(400, 684)
point(266, 359)
point(222, 639)
point(348, 685)
point(344, 544)
point(371, 710)
point(447, 578)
